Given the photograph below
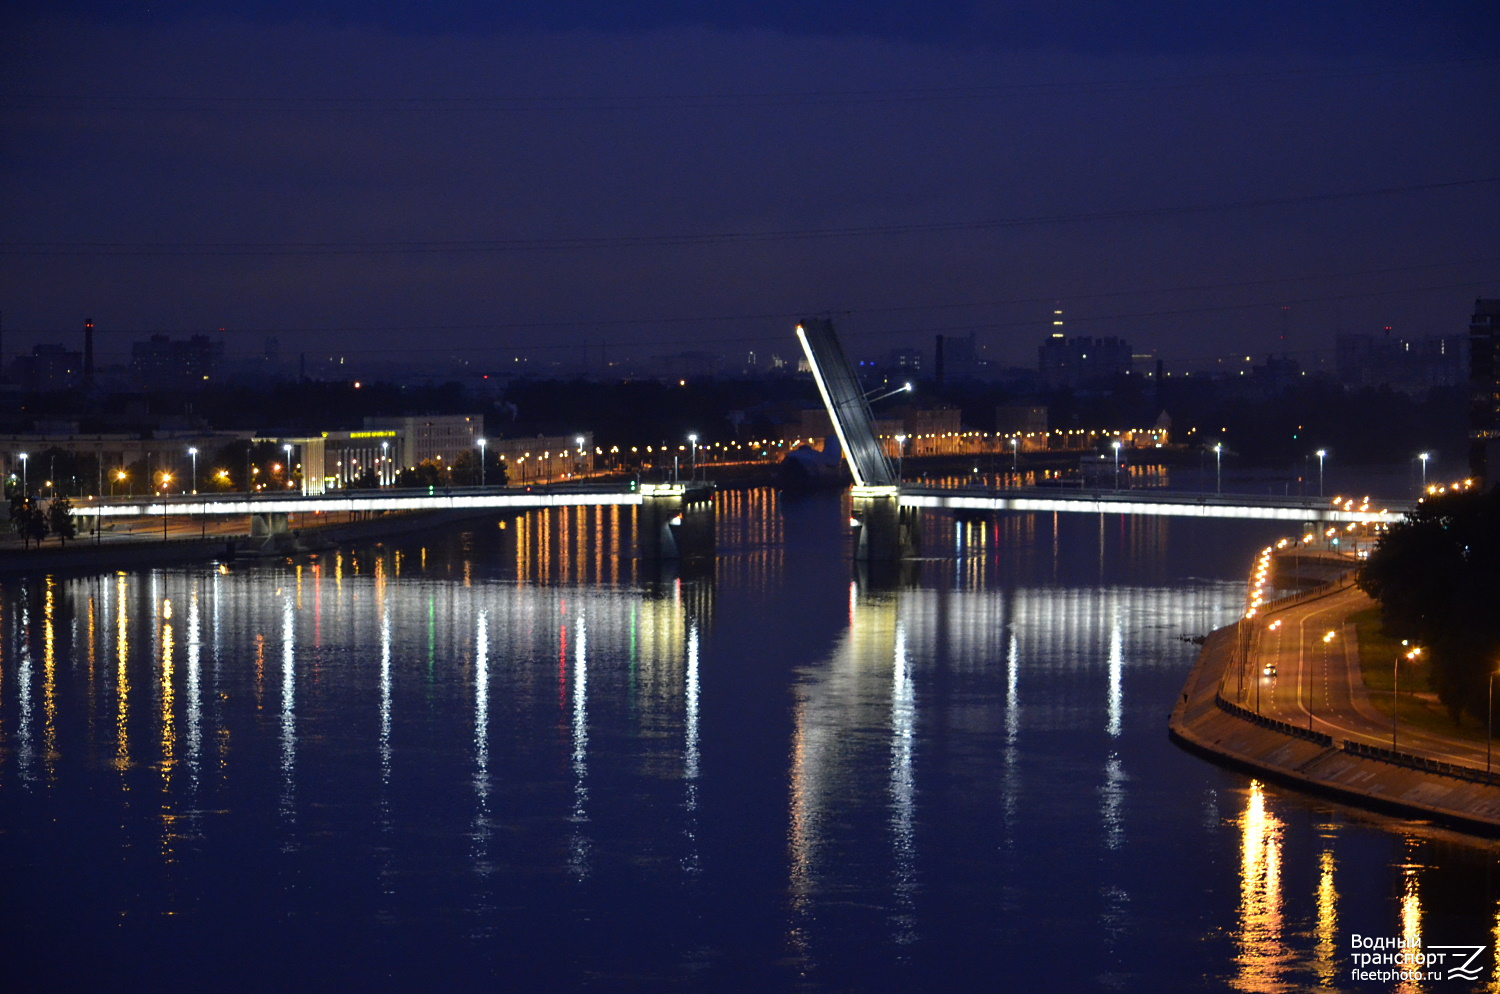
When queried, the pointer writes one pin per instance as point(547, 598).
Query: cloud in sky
point(379, 181)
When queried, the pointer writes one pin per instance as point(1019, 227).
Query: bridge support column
point(884, 529)
point(675, 521)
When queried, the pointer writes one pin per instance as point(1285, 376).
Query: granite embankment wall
point(1357, 773)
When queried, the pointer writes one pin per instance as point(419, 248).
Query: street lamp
point(1322, 454)
point(481, 462)
point(578, 466)
point(1218, 467)
point(900, 453)
point(1015, 454)
point(119, 478)
point(693, 438)
point(287, 448)
point(193, 451)
point(1489, 723)
point(1116, 445)
point(1396, 685)
point(1424, 457)
point(384, 463)
point(23, 474)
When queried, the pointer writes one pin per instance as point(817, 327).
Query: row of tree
point(1436, 577)
point(33, 521)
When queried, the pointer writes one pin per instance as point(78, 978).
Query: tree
point(426, 474)
point(27, 519)
point(1436, 577)
point(60, 519)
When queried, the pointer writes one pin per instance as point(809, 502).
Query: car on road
point(1269, 669)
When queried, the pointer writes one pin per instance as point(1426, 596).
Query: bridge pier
point(884, 530)
point(675, 521)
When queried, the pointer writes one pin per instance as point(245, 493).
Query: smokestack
point(88, 352)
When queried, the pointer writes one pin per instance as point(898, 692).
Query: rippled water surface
point(507, 758)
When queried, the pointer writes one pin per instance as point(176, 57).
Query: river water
point(502, 757)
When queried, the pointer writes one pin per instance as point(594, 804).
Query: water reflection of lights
point(1326, 930)
point(1115, 704)
point(1012, 782)
point(122, 678)
point(1260, 952)
point(25, 750)
point(481, 831)
point(385, 714)
point(903, 790)
point(578, 860)
point(168, 731)
point(288, 713)
point(690, 751)
point(49, 676)
point(1411, 918)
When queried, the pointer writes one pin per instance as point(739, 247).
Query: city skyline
point(478, 183)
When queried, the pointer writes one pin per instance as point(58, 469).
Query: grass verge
point(1419, 706)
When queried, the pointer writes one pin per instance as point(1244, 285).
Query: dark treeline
point(1436, 576)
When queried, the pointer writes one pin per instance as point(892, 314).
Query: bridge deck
point(1148, 503)
point(420, 499)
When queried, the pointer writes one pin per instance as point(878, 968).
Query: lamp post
point(24, 490)
point(1116, 445)
point(287, 448)
point(1424, 457)
point(1396, 685)
point(900, 453)
point(1322, 454)
point(693, 439)
point(385, 463)
point(193, 451)
point(1489, 723)
point(1015, 455)
point(119, 477)
point(1218, 467)
point(481, 462)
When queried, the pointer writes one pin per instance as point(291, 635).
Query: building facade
point(1484, 392)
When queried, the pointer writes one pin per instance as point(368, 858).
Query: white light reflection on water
point(691, 862)
point(480, 833)
point(903, 790)
point(288, 713)
point(25, 748)
point(385, 715)
point(578, 843)
point(1011, 782)
point(195, 691)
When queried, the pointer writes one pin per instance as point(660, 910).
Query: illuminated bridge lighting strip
point(1160, 508)
point(310, 505)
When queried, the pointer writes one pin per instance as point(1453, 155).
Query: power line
point(171, 103)
point(134, 249)
point(786, 315)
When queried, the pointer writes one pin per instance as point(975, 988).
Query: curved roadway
point(1317, 683)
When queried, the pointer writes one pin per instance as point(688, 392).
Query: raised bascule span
point(847, 407)
point(886, 511)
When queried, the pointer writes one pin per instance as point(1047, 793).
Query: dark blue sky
point(479, 179)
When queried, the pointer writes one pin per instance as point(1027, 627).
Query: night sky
point(481, 180)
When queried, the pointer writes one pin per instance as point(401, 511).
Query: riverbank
point(1334, 754)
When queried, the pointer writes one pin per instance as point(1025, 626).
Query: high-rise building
point(164, 364)
point(1484, 390)
point(1408, 365)
point(1077, 362)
